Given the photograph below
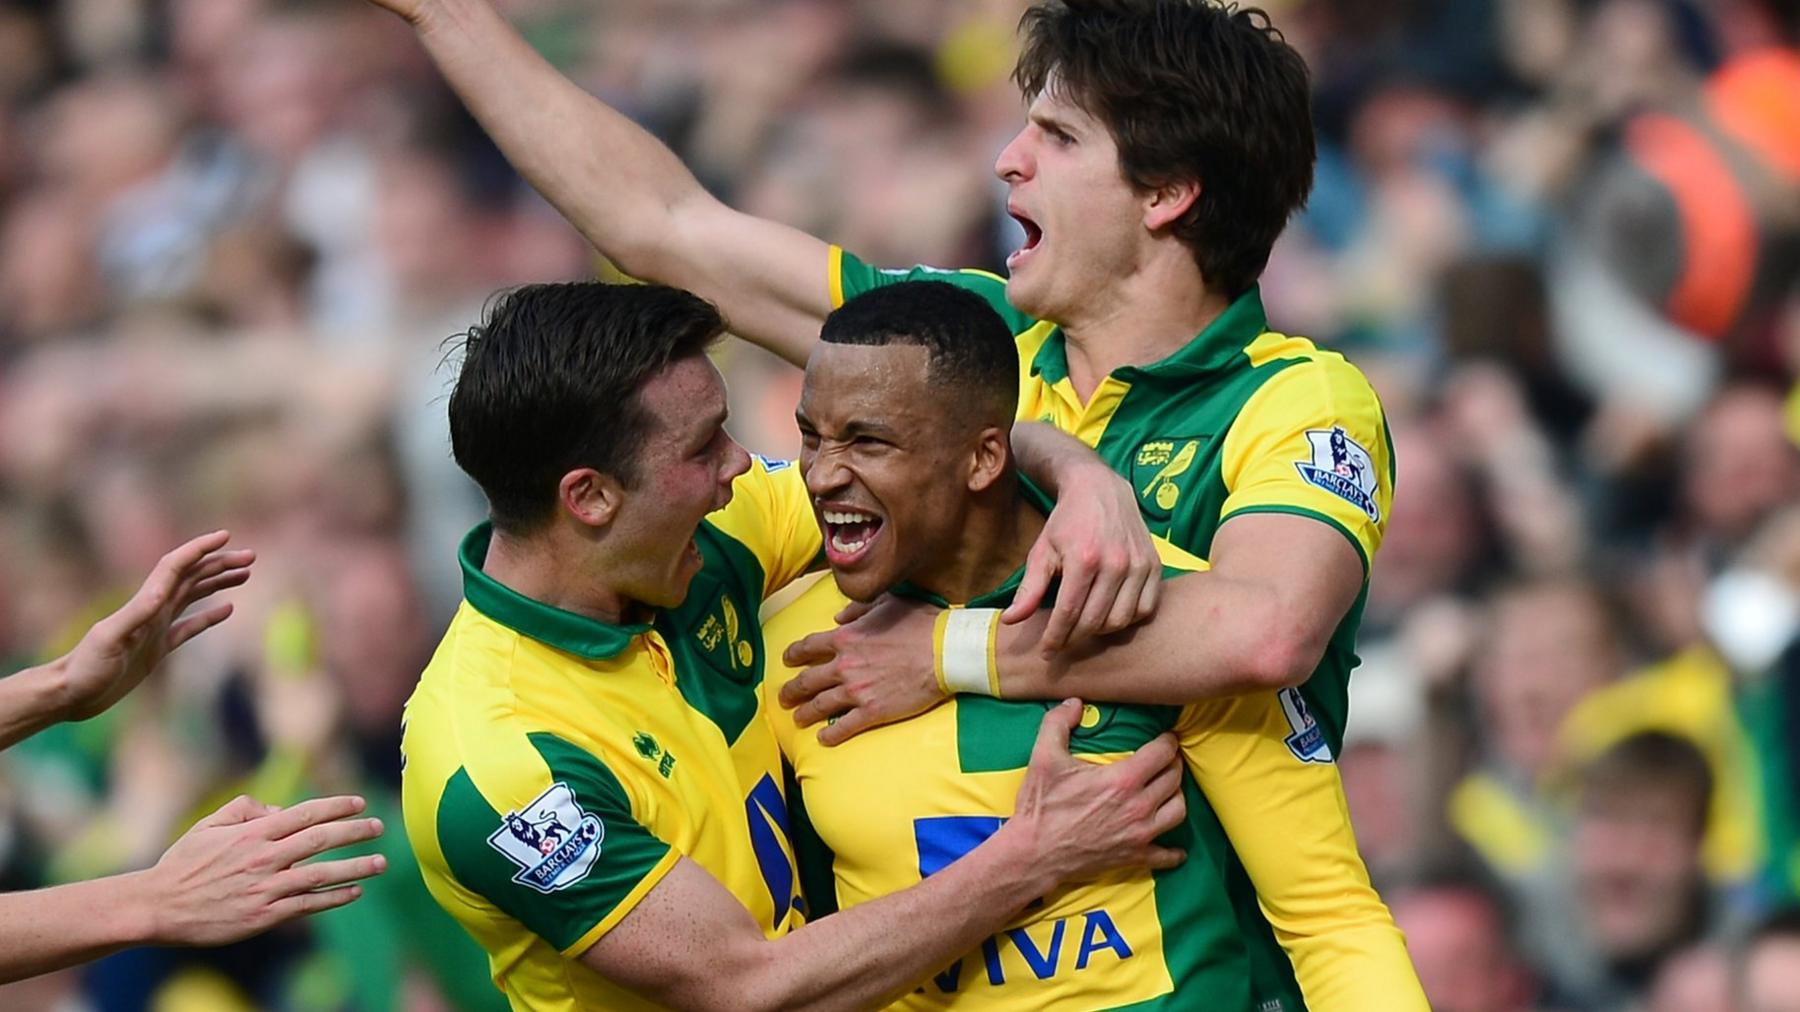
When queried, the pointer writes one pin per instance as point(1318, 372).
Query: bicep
point(1314, 571)
point(770, 280)
point(686, 944)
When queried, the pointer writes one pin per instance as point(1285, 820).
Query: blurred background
point(1561, 236)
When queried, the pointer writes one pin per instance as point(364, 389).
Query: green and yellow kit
point(1240, 420)
point(556, 767)
point(1185, 938)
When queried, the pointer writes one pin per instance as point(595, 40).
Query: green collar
point(1220, 345)
point(1002, 595)
point(577, 634)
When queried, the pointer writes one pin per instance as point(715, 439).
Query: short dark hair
point(550, 380)
point(972, 354)
point(1653, 760)
point(1189, 90)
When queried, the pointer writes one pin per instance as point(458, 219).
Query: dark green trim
point(1301, 511)
point(1219, 346)
point(564, 630)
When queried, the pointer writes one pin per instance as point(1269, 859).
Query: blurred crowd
point(1561, 236)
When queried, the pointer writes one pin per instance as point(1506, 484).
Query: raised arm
point(690, 944)
point(622, 188)
point(124, 647)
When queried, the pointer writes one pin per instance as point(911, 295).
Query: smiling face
point(684, 468)
point(886, 467)
point(1084, 223)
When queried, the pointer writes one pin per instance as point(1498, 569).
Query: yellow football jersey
point(556, 767)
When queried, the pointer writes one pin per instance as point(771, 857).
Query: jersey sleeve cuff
point(625, 906)
point(1362, 552)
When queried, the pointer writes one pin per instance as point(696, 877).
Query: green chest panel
point(993, 735)
point(1167, 437)
point(715, 635)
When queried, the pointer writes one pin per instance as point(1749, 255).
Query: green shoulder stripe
point(561, 864)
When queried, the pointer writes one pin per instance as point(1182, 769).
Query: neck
point(539, 566)
point(1153, 313)
point(995, 537)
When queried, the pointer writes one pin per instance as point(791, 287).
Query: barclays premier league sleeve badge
point(1341, 466)
point(552, 840)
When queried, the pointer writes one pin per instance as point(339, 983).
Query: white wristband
point(968, 651)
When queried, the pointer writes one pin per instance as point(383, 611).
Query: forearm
point(30, 701)
point(866, 957)
point(615, 182)
point(49, 929)
point(1212, 636)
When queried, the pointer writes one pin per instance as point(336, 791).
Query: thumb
point(1040, 568)
point(1053, 734)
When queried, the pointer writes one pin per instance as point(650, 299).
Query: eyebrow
point(1053, 121)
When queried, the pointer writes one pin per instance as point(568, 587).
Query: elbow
point(1280, 661)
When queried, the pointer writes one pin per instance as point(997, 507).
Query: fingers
point(809, 683)
point(1161, 858)
point(287, 822)
point(301, 904)
point(824, 706)
point(1041, 567)
point(194, 625)
point(308, 878)
point(1150, 595)
point(1170, 813)
point(1146, 762)
point(1076, 581)
point(213, 584)
point(1053, 734)
point(853, 611)
point(210, 567)
point(809, 651)
point(1165, 784)
point(846, 727)
point(315, 840)
point(240, 809)
point(1101, 599)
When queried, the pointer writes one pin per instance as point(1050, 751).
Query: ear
point(993, 448)
point(590, 496)
point(1166, 204)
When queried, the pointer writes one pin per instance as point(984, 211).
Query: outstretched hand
point(124, 647)
point(875, 667)
point(237, 872)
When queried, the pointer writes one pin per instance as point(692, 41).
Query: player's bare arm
point(622, 188)
point(690, 944)
point(237, 872)
point(124, 647)
point(1259, 619)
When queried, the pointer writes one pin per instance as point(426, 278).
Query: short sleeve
point(850, 277)
point(1287, 819)
point(1312, 442)
point(563, 855)
point(771, 516)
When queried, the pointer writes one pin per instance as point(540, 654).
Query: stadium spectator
point(1461, 942)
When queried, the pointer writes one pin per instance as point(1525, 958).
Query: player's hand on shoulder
point(1096, 541)
point(238, 871)
point(1082, 818)
point(878, 666)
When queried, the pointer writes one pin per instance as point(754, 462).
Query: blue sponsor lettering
point(767, 812)
point(1042, 964)
point(1100, 933)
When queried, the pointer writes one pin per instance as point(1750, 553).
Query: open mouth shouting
point(1034, 236)
point(849, 534)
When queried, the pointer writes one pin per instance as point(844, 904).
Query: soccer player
point(1168, 142)
point(233, 873)
point(587, 780)
point(926, 503)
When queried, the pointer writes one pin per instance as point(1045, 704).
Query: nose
point(737, 461)
point(825, 474)
point(1014, 163)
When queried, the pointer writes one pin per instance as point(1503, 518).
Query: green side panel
point(719, 669)
point(570, 908)
point(997, 734)
point(814, 857)
point(859, 277)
